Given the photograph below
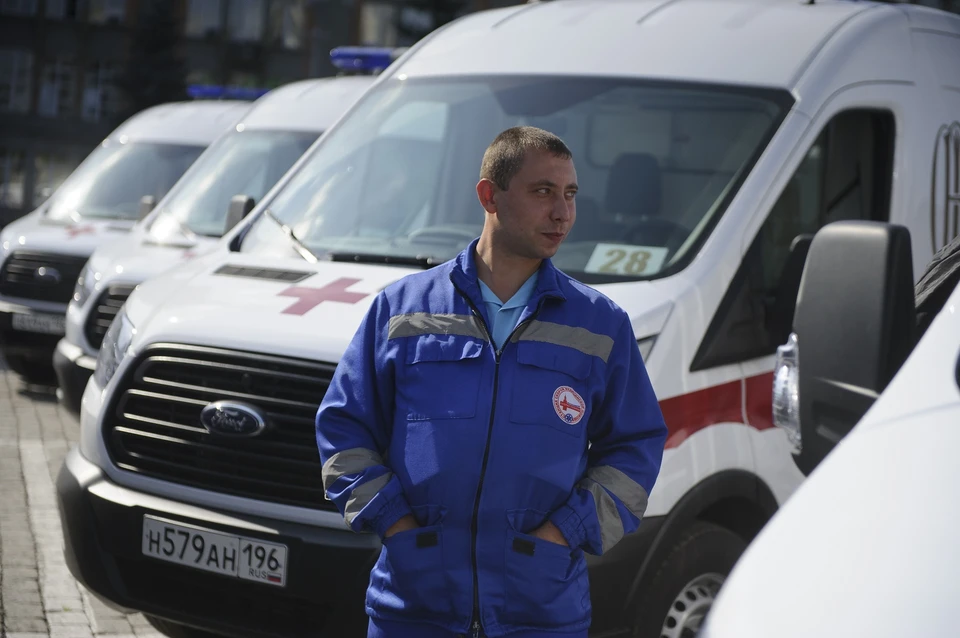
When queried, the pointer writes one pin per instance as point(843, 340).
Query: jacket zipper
point(475, 625)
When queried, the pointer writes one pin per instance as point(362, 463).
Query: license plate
point(47, 324)
point(246, 558)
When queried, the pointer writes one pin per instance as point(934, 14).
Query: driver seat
point(633, 187)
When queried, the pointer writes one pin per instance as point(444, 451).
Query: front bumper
point(29, 344)
point(328, 570)
point(73, 368)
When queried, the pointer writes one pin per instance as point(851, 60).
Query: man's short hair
point(504, 157)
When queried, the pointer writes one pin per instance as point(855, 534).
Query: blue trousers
point(388, 629)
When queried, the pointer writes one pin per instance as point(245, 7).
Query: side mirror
point(147, 203)
point(240, 207)
point(854, 324)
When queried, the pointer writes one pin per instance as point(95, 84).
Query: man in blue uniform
point(491, 421)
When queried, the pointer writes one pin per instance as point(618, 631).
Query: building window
point(55, 9)
point(242, 79)
point(16, 74)
point(378, 24)
point(107, 11)
point(12, 178)
point(51, 171)
point(61, 9)
point(245, 20)
point(101, 99)
point(287, 23)
point(18, 7)
point(56, 89)
point(203, 18)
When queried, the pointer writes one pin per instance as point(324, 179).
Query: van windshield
point(656, 164)
point(115, 176)
point(240, 163)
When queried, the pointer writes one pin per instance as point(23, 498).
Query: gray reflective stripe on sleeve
point(611, 527)
point(630, 493)
point(363, 494)
point(603, 478)
point(424, 323)
point(577, 338)
point(352, 461)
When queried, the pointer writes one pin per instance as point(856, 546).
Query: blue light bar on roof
point(363, 58)
point(214, 92)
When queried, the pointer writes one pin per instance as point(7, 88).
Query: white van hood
point(140, 258)
point(315, 317)
point(34, 232)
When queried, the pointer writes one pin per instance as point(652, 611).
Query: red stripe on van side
point(689, 413)
point(760, 401)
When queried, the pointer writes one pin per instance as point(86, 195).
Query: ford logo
point(47, 275)
point(233, 419)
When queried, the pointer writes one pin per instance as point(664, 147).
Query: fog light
point(786, 391)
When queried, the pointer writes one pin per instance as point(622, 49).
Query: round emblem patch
point(569, 405)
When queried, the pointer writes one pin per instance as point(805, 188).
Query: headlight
point(115, 345)
point(646, 345)
point(786, 391)
point(86, 283)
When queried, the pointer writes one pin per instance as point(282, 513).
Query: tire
point(176, 630)
point(33, 371)
point(684, 586)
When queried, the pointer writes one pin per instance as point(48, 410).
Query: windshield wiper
point(395, 260)
point(305, 252)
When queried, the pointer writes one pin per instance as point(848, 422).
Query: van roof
point(193, 123)
point(741, 42)
point(307, 105)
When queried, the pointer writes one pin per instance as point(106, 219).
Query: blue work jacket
point(424, 416)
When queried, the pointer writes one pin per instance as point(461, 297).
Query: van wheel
point(176, 630)
point(678, 597)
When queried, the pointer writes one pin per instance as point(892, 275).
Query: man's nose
point(563, 209)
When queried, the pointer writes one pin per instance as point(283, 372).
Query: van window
point(115, 176)
point(656, 164)
point(239, 163)
point(846, 174)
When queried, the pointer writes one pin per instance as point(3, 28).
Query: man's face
point(538, 209)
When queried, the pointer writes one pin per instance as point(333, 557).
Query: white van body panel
point(867, 546)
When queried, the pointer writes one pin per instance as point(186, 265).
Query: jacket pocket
point(552, 387)
point(441, 378)
point(545, 583)
point(416, 578)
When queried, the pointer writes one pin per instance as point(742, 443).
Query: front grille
point(155, 430)
point(107, 307)
point(21, 276)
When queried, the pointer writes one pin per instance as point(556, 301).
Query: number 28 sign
point(626, 259)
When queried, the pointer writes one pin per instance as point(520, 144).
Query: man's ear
point(486, 190)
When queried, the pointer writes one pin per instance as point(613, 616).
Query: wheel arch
point(734, 499)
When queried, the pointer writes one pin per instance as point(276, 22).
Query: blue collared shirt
point(504, 316)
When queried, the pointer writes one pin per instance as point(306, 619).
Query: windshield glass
point(114, 177)
point(656, 164)
point(241, 163)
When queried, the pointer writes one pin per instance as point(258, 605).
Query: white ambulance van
point(246, 161)
point(867, 545)
point(43, 252)
point(712, 138)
